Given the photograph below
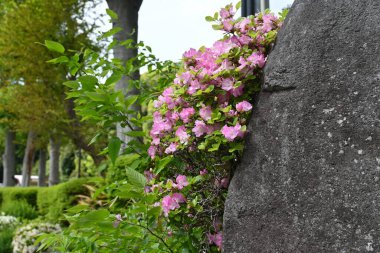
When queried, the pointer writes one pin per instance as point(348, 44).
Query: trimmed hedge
point(50, 202)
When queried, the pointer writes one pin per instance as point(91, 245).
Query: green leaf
point(95, 96)
point(112, 14)
point(130, 100)
point(77, 209)
point(215, 147)
point(72, 84)
point(61, 59)
point(111, 32)
point(127, 159)
point(136, 178)
point(209, 19)
point(238, 5)
point(114, 148)
point(154, 212)
point(161, 164)
point(135, 134)
point(114, 78)
point(94, 139)
point(94, 216)
point(88, 82)
point(54, 46)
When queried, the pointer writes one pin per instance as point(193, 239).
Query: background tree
point(40, 110)
point(126, 24)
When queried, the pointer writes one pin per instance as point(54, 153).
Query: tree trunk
point(42, 168)
point(27, 163)
point(128, 12)
point(74, 132)
point(9, 159)
point(55, 145)
point(79, 162)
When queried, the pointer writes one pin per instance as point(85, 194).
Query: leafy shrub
point(196, 140)
point(47, 201)
point(6, 235)
point(21, 209)
point(10, 194)
point(118, 171)
point(7, 226)
point(52, 201)
point(23, 241)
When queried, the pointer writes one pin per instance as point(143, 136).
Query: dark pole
point(251, 7)
point(243, 8)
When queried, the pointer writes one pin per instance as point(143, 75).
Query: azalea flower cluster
point(209, 99)
point(172, 200)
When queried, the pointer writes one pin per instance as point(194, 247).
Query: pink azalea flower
point(227, 84)
point(168, 92)
point(237, 92)
point(186, 77)
point(178, 197)
point(245, 40)
point(205, 113)
point(171, 149)
point(156, 141)
point(172, 202)
point(227, 25)
point(186, 113)
point(216, 239)
point(148, 175)
point(224, 182)
point(182, 134)
point(181, 181)
point(152, 151)
point(257, 59)
point(224, 13)
point(168, 203)
point(191, 53)
point(243, 106)
point(227, 12)
point(243, 25)
point(193, 87)
point(157, 103)
point(203, 172)
point(200, 128)
point(230, 133)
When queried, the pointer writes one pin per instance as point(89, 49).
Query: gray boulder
point(309, 177)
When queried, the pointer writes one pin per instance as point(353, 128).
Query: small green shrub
point(49, 202)
point(52, 201)
point(6, 236)
point(21, 209)
point(10, 194)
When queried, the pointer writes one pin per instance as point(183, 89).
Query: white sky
point(171, 27)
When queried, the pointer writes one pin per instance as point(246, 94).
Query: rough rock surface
point(309, 179)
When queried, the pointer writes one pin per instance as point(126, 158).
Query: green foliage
point(158, 204)
point(6, 236)
point(20, 209)
point(11, 194)
point(49, 202)
point(52, 201)
point(118, 171)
